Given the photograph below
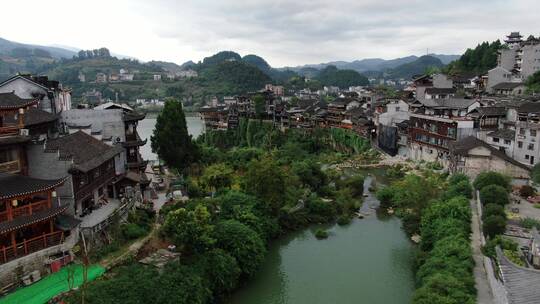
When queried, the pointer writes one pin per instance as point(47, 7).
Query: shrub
point(493, 209)
point(502, 242)
point(458, 177)
point(321, 234)
point(491, 178)
point(385, 196)
point(529, 223)
point(344, 220)
point(494, 225)
point(132, 231)
point(494, 194)
point(526, 191)
point(462, 188)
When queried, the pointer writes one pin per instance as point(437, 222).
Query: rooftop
point(503, 133)
point(12, 185)
point(86, 151)
point(507, 85)
point(10, 101)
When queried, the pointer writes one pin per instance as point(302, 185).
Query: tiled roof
point(10, 101)
point(36, 217)
point(493, 111)
point(529, 107)
point(503, 133)
point(440, 90)
point(33, 117)
point(86, 151)
point(133, 116)
point(12, 185)
point(450, 103)
point(521, 283)
point(507, 85)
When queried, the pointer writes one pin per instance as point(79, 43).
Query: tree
point(266, 180)
point(494, 225)
point(242, 243)
point(171, 140)
point(217, 176)
point(221, 270)
point(260, 105)
point(526, 191)
point(491, 178)
point(179, 284)
point(493, 209)
point(191, 229)
point(494, 194)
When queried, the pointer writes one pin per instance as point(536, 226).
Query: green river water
point(368, 261)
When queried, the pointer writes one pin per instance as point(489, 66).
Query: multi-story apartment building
point(436, 124)
point(527, 140)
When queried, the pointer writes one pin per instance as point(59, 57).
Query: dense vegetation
point(437, 210)
point(476, 61)
point(249, 186)
point(533, 83)
point(332, 76)
point(417, 67)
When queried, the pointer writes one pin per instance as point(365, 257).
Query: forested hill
point(417, 67)
point(476, 61)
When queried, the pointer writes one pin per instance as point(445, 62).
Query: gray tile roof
point(507, 85)
point(440, 90)
point(34, 117)
point(36, 217)
point(503, 133)
point(520, 283)
point(86, 151)
point(450, 103)
point(10, 101)
point(12, 185)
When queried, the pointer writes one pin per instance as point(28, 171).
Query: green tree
point(491, 178)
point(267, 180)
point(191, 229)
point(217, 176)
point(171, 140)
point(493, 209)
point(260, 105)
point(494, 194)
point(221, 270)
point(494, 225)
point(242, 243)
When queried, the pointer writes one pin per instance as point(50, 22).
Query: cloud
point(293, 32)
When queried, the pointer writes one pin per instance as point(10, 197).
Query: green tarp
point(51, 286)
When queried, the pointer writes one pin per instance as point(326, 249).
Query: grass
point(321, 234)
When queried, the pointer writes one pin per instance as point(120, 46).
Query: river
point(368, 261)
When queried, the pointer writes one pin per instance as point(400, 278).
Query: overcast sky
point(283, 32)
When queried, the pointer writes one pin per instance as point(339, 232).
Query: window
point(532, 132)
point(506, 142)
point(530, 147)
point(433, 128)
point(452, 132)
point(526, 156)
point(521, 131)
point(495, 139)
point(520, 144)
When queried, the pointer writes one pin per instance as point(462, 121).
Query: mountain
point(188, 64)
point(7, 47)
point(333, 76)
point(167, 66)
point(417, 67)
point(372, 64)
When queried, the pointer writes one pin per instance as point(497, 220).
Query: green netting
point(51, 285)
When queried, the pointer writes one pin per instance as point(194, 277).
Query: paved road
point(484, 295)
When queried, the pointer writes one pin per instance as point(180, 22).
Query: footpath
point(484, 295)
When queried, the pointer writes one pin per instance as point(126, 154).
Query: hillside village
point(70, 171)
point(474, 124)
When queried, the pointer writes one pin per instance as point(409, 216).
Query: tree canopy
point(171, 140)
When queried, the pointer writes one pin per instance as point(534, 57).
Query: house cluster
point(466, 124)
point(64, 173)
point(122, 75)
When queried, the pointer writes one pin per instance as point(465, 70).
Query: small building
point(472, 156)
point(509, 88)
point(503, 140)
point(101, 78)
point(157, 77)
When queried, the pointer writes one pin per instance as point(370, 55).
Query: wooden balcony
point(8, 130)
point(25, 210)
point(29, 246)
point(10, 167)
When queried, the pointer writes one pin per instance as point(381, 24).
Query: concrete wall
point(507, 58)
point(530, 60)
point(523, 154)
point(46, 165)
point(442, 81)
point(496, 76)
point(26, 89)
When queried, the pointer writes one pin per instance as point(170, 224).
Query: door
point(532, 160)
